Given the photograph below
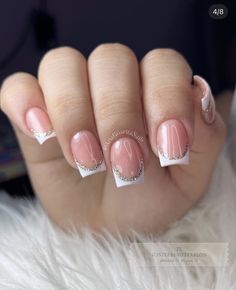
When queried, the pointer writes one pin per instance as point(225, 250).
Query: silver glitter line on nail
point(176, 160)
point(123, 180)
point(41, 137)
point(86, 171)
point(174, 157)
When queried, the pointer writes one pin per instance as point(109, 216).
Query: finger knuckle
point(12, 85)
point(111, 49)
point(116, 108)
point(162, 53)
point(59, 55)
point(66, 104)
point(166, 64)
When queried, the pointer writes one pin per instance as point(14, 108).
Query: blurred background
point(31, 27)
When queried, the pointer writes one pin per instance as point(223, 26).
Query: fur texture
point(34, 255)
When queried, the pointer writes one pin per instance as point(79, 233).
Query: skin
point(103, 94)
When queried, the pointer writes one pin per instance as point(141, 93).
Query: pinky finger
point(21, 99)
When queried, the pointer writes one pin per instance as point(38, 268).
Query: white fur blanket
point(34, 255)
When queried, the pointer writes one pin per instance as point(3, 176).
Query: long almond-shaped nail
point(39, 124)
point(207, 100)
point(127, 162)
point(173, 144)
point(87, 153)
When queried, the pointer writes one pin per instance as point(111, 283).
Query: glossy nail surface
point(207, 100)
point(39, 124)
point(87, 153)
point(172, 142)
point(127, 162)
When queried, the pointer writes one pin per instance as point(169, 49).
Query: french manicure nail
point(207, 101)
point(127, 162)
point(39, 124)
point(87, 153)
point(172, 143)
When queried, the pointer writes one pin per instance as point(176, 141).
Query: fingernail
point(87, 153)
point(172, 143)
point(207, 101)
point(127, 162)
point(39, 124)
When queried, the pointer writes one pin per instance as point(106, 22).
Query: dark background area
point(31, 27)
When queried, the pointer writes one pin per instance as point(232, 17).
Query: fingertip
point(14, 85)
point(23, 103)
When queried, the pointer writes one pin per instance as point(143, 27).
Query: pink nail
point(39, 124)
point(207, 100)
point(127, 162)
point(172, 141)
point(87, 153)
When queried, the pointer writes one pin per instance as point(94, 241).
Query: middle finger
point(115, 91)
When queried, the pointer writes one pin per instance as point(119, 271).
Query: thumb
point(208, 140)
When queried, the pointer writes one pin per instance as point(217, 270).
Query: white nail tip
point(178, 161)
point(86, 171)
point(41, 137)
point(120, 182)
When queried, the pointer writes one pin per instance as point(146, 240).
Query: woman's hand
point(142, 123)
